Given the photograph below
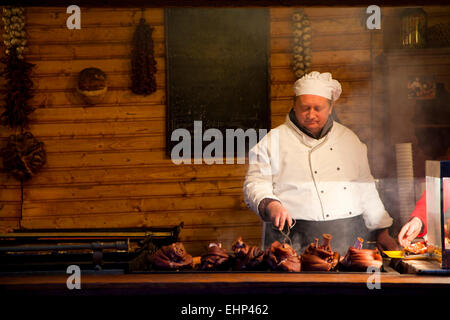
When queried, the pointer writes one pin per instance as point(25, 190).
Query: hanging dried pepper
point(143, 64)
point(18, 87)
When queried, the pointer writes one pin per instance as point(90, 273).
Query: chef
point(311, 176)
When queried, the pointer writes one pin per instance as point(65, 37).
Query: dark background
point(217, 69)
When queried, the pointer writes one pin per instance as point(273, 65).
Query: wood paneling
point(134, 190)
point(51, 16)
point(116, 96)
point(107, 166)
point(105, 63)
point(142, 204)
point(91, 33)
point(126, 174)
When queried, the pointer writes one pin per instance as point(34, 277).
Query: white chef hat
point(319, 84)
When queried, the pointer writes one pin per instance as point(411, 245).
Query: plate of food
point(416, 250)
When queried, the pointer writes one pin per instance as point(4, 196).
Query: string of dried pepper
point(143, 64)
point(17, 73)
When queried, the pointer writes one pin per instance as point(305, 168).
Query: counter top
point(99, 283)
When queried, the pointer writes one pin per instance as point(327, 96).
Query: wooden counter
point(231, 283)
point(283, 295)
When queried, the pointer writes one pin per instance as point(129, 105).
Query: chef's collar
point(326, 128)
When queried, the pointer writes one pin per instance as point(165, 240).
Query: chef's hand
point(278, 215)
point(409, 231)
point(385, 241)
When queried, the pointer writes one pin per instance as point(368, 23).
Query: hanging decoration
point(302, 52)
point(17, 71)
point(18, 87)
point(14, 37)
point(23, 156)
point(143, 64)
point(92, 85)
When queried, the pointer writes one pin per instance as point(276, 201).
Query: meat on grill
point(216, 258)
point(320, 257)
point(173, 257)
point(282, 257)
point(247, 257)
point(358, 259)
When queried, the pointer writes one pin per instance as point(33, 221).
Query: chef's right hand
point(278, 215)
point(409, 231)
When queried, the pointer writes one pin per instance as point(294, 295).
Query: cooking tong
point(286, 231)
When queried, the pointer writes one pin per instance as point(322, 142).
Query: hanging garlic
point(14, 23)
point(298, 33)
point(7, 11)
point(299, 73)
point(298, 41)
point(302, 43)
point(298, 49)
point(299, 65)
point(297, 16)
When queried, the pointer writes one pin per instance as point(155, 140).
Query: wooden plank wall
point(106, 163)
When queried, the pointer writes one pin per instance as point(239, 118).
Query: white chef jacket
point(317, 180)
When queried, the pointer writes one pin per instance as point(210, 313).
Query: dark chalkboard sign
point(217, 69)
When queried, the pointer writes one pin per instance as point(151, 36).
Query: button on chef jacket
point(315, 179)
